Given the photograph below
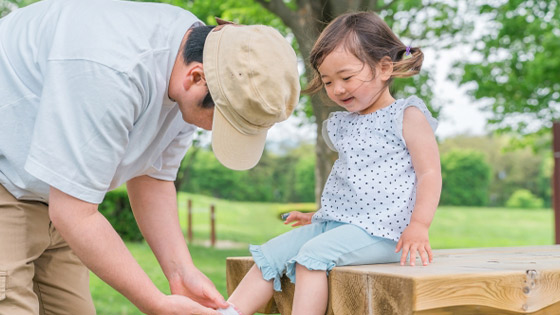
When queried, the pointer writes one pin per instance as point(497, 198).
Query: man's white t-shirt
point(83, 96)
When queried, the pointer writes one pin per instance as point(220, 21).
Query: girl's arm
point(423, 149)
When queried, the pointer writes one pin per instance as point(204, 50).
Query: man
point(96, 93)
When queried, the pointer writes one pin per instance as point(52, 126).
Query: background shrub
point(466, 178)
point(523, 198)
point(116, 208)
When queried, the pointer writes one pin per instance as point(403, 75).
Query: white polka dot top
point(372, 184)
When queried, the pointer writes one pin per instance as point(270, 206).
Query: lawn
point(242, 223)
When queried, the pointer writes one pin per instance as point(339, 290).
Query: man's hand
point(415, 239)
point(299, 218)
point(196, 286)
point(181, 305)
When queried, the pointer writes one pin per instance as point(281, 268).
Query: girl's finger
point(404, 255)
point(430, 254)
point(413, 256)
point(424, 256)
point(399, 245)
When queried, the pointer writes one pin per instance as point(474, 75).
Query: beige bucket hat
point(252, 76)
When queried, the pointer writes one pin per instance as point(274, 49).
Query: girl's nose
point(339, 89)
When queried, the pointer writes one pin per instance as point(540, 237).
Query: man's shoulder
point(117, 33)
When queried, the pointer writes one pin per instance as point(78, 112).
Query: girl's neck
point(384, 100)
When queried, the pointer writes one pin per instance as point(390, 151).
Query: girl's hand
point(299, 218)
point(196, 286)
point(415, 239)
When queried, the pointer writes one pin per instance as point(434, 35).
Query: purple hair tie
point(407, 53)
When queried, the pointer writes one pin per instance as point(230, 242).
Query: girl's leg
point(340, 245)
point(256, 289)
point(312, 292)
point(252, 292)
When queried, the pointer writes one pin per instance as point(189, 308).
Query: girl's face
point(349, 82)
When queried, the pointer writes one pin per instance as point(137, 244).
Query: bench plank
point(508, 280)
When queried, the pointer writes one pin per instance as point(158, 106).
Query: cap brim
point(233, 149)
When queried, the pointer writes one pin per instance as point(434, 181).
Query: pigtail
point(408, 62)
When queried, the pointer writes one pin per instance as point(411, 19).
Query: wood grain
point(509, 280)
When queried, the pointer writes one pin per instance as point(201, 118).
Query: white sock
point(231, 310)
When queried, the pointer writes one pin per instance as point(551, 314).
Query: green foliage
point(466, 178)
point(523, 198)
point(513, 167)
point(208, 176)
point(275, 178)
point(6, 6)
point(116, 208)
point(518, 68)
point(238, 11)
point(303, 189)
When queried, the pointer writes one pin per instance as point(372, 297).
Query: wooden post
point(212, 226)
point(189, 221)
point(556, 178)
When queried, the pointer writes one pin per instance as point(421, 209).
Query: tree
point(519, 67)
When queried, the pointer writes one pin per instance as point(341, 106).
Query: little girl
point(382, 193)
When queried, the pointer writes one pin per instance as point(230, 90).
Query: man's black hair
point(193, 51)
point(195, 43)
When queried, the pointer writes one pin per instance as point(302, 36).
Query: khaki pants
point(39, 273)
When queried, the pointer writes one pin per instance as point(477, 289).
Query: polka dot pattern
point(373, 183)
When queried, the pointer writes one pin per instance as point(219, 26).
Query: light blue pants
point(321, 246)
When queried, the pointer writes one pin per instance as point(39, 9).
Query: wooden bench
point(508, 280)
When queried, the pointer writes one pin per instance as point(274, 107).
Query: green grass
point(243, 223)
point(465, 227)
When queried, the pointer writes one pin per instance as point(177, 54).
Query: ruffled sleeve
point(330, 129)
point(418, 103)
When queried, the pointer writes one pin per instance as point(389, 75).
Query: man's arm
point(98, 245)
point(154, 203)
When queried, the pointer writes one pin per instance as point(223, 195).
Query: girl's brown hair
point(369, 38)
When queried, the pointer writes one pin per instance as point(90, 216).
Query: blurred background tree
point(516, 66)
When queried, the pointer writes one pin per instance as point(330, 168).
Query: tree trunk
point(307, 22)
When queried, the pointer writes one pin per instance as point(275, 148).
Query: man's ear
point(194, 77)
point(385, 68)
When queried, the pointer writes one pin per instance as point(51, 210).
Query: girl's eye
point(347, 78)
point(326, 83)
